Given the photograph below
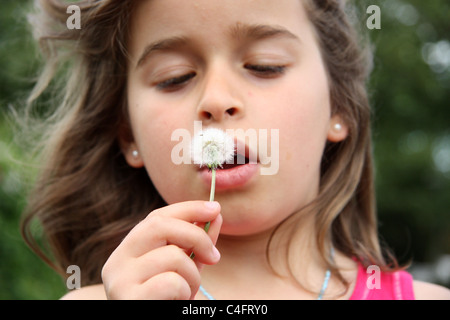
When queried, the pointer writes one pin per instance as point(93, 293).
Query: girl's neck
point(244, 270)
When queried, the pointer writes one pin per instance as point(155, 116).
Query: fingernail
point(216, 253)
point(212, 205)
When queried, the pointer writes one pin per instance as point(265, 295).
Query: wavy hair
point(345, 208)
point(82, 194)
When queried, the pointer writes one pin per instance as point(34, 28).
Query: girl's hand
point(153, 262)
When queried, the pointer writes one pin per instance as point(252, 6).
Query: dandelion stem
point(213, 185)
point(211, 195)
point(211, 198)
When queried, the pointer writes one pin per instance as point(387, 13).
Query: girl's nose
point(219, 98)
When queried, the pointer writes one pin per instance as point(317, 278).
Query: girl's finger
point(191, 211)
point(165, 286)
point(168, 259)
point(213, 233)
point(163, 230)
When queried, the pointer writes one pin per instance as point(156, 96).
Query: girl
point(112, 201)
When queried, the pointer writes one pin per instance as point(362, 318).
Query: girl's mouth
point(230, 177)
point(237, 161)
point(234, 175)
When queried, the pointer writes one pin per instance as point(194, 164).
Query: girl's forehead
point(153, 20)
point(215, 11)
point(213, 16)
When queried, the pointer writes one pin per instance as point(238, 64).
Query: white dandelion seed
point(212, 148)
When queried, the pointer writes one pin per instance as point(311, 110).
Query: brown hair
point(344, 210)
point(82, 195)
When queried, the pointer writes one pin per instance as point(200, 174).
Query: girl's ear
point(338, 130)
point(129, 148)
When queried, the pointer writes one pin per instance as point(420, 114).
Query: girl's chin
point(246, 223)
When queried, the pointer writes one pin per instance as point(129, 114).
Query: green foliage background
point(410, 94)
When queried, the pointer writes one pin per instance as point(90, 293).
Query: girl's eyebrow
point(260, 31)
point(161, 45)
point(241, 32)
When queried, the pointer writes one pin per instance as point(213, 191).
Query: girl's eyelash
point(174, 83)
point(266, 70)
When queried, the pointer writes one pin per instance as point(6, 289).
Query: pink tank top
point(392, 286)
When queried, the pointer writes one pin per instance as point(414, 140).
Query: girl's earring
point(133, 158)
point(338, 131)
point(338, 127)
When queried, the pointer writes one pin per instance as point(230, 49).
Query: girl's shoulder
point(93, 292)
point(430, 291)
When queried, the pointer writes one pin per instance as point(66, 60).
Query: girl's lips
point(230, 178)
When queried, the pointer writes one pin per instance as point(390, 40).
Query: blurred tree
point(17, 52)
point(410, 95)
point(22, 274)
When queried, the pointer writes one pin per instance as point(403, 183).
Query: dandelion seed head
point(212, 148)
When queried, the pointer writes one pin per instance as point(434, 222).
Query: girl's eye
point(175, 83)
point(265, 71)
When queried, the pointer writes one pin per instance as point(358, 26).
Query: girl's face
point(235, 64)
